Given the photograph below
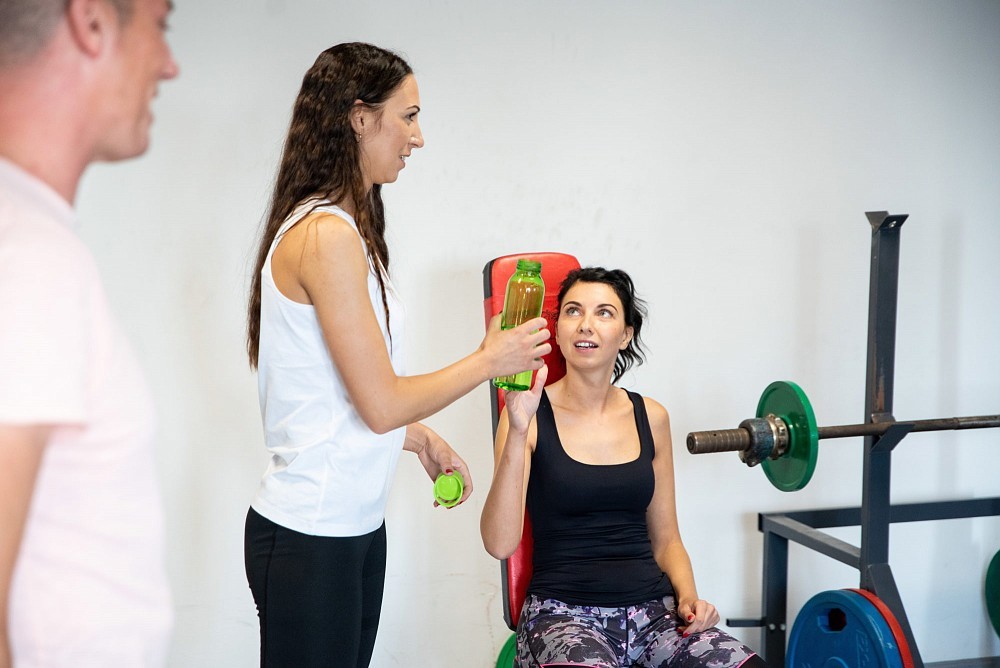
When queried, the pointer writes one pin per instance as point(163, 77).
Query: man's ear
point(92, 24)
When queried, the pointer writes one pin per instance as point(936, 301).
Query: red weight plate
point(890, 619)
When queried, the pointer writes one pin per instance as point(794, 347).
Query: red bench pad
point(516, 570)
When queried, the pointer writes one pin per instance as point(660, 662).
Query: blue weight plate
point(841, 629)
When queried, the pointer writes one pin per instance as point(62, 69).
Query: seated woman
point(612, 583)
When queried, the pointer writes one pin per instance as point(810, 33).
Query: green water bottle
point(522, 302)
point(448, 489)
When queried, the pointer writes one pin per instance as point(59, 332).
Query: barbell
point(784, 437)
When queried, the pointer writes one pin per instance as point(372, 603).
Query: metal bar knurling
point(735, 440)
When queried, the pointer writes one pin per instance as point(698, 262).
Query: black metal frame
point(876, 512)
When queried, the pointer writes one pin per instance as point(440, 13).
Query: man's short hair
point(123, 8)
point(26, 26)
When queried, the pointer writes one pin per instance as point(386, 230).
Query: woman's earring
point(357, 137)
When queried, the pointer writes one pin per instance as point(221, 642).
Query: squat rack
point(876, 512)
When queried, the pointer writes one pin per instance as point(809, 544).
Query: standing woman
point(325, 331)
point(612, 584)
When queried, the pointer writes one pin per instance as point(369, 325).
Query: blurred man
point(82, 581)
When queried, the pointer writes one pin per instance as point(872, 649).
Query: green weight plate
point(508, 653)
point(792, 471)
point(993, 592)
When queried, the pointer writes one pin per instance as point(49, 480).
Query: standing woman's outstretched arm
point(324, 258)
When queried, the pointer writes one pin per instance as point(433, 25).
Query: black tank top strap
point(647, 447)
point(545, 424)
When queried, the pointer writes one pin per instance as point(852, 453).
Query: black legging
point(318, 598)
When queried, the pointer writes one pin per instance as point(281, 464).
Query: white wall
point(722, 152)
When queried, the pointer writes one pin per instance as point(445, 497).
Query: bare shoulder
point(320, 242)
point(322, 231)
point(659, 418)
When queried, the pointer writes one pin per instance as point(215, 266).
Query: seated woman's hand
point(698, 614)
point(521, 406)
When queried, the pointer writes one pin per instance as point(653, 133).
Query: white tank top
point(329, 473)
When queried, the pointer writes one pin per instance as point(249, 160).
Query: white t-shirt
point(89, 587)
point(329, 474)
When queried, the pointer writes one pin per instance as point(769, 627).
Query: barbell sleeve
point(720, 440)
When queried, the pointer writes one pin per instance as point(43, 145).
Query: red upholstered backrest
point(516, 570)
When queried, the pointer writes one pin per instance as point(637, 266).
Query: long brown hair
point(322, 160)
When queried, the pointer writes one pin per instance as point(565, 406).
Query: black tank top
point(592, 543)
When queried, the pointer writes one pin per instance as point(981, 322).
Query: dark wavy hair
point(322, 160)
point(633, 308)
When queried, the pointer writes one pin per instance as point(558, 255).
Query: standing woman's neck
point(347, 204)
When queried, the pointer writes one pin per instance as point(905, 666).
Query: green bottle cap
point(529, 265)
point(448, 489)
